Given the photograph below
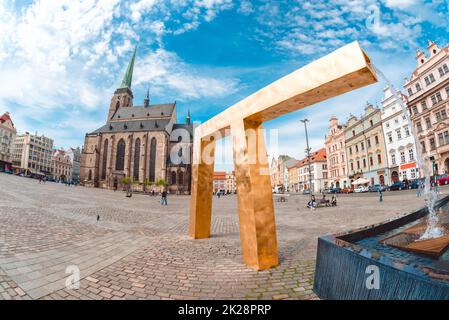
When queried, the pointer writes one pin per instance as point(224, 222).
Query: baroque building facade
point(336, 155)
point(428, 104)
point(144, 143)
point(365, 148)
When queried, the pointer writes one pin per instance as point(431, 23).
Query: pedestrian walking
point(164, 198)
point(420, 186)
point(381, 197)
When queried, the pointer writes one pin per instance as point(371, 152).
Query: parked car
point(414, 184)
point(361, 189)
point(328, 190)
point(335, 190)
point(376, 188)
point(443, 179)
point(307, 191)
point(347, 190)
point(397, 186)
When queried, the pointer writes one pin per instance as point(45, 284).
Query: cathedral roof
point(152, 111)
point(134, 126)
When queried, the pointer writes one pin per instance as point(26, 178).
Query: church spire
point(128, 78)
point(146, 101)
point(188, 118)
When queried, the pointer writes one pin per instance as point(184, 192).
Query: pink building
point(336, 155)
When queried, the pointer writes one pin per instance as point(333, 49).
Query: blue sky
point(60, 61)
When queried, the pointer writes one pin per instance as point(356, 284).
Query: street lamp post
point(308, 154)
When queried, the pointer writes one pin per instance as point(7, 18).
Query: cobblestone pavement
point(140, 250)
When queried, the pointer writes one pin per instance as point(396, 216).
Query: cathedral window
point(105, 159)
point(120, 160)
point(153, 159)
point(136, 160)
point(173, 177)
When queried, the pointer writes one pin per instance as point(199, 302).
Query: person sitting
point(334, 201)
point(324, 201)
point(312, 203)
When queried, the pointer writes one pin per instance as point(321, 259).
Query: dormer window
point(141, 126)
point(110, 127)
point(422, 60)
point(125, 126)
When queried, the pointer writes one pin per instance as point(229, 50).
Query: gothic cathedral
point(144, 143)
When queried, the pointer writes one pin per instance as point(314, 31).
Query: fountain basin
point(345, 262)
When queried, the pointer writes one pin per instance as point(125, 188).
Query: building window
point(376, 140)
point(398, 133)
point(136, 160)
point(358, 164)
point(393, 159)
point(368, 142)
point(153, 160)
point(410, 92)
point(120, 160)
point(432, 144)
point(443, 138)
point(356, 148)
point(105, 160)
point(371, 162)
point(423, 146)
point(419, 127)
point(180, 178)
point(407, 131)
point(371, 123)
point(353, 133)
point(352, 166)
point(379, 159)
point(418, 87)
point(364, 163)
point(424, 105)
point(415, 110)
point(173, 177)
point(362, 146)
point(390, 137)
point(428, 123)
point(411, 155)
point(403, 157)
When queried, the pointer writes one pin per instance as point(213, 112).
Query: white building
point(399, 140)
point(318, 172)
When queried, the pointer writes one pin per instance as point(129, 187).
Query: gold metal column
point(202, 188)
point(255, 200)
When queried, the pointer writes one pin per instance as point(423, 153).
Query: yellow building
point(365, 147)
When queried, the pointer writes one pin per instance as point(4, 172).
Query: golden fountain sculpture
point(344, 70)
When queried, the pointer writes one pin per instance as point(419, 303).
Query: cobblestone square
point(140, 250)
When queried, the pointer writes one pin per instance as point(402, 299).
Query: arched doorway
point(381, 180)
point(337, 185)
point(446, 165)
point(395, 176)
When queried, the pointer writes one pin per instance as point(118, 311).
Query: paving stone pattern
point(140, 250)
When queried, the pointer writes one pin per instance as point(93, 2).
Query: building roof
point(152, 111)
point(221, 175)
point(5, 117)
point(134, 126)
point(317, 156)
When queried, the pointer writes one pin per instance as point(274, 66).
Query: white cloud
point(164, 70)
